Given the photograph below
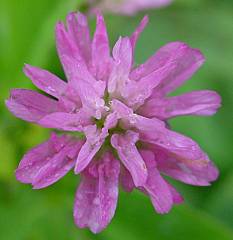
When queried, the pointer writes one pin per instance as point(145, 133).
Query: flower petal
point(78, 30)
point(48, 162)
point(66, 46)
point(30, 105)
point(203, 102)
point(190, 172)
point(122, 55)
point(136, 92)
point(45, 81)
point(130, 7)
point(94, 140)
point(130, 119)
point(89, 149)
point(177, 198)
point(96, 197)
point(156, 186)
point(154, 131)
point(138, 31)
point(65, 121)
point(57, 167)
point(100, 49)
point(89, 90)
point(187, 61)
point(130, 157)
point(126, 180)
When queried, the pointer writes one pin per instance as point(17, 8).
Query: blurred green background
point(27, 35)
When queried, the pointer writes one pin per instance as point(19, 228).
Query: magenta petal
point(203, 102)
point(45, 81)
point(79, 31)
point(96, 197)
point(78, 73)
point(122, 55)
point(191, 172)
point(90, 90)
point(136, 92)
point(89, 149)
point(130, 119)
point(177, 145)
point(100, 47)
point(186, 59)
point(138, 31)
point(30, 105)
point(129, 7)
point(126, 180)
point(94, 140)
point(58, 166)
point(66, 46)
point(130, 157)
point(65, 121)
point(156, 186)
point(48, 162)
point(177, 198)
point(154, 131)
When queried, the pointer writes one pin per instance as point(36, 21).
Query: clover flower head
point(127, 7)
point(122, 110)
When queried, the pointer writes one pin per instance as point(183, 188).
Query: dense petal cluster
point(122, 110)
point(127, 7)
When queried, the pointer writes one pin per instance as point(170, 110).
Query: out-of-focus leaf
point(29, 35)
point(6, 163)
point(41, 213)
point(220, 202)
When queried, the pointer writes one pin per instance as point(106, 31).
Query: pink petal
point(57, 167)
point(100, 49)
point(126, 180)
point(122, 55)
point(186, 59)
point(94, 140)
point(78, 73)
point(156, 186)
point(177, 198)
point(203, 102)
point(130, 7)
point(45, 81)
point(96, 197)
point(89, 90)
point(136, 92)
point(138, 31)
point(194, 172)
point(48, 162)
point(130, 157)
point(177, 145)
point(66, 47)
point(78, 30)
point(154, 131)
point(89, 149)
point(30, 105)
point(130, 119)
point(65, 121)
point(70, 100)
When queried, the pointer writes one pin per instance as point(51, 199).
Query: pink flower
point(127, 7)
point(122, 111)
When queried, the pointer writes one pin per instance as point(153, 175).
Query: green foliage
point(27, 35)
